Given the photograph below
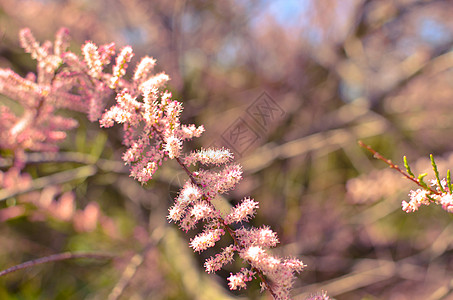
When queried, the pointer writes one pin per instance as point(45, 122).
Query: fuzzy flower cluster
point(152, 133)
point(194, 205)
point(150, 118)
point(38, 127)
point(148, 113)
point(238, 280)
point(440, 194)
point(209, 156)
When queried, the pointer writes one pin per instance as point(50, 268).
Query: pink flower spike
point(119, 70)
point(106, 52)
point(417, 198)
point(214, 264)
point(228, 178)
point(61, 41)
point(238, 280)
point(155, 82)
point(242, 212)
point(446, 200)
point(199, 211)
point(144, 68)
point(188, 194)
point(206, 239)
point(30, 45)
point(294, 264)
point(209, 156)
point(144, 171)
point(263, 237)
point(152, 134)
point(173, 147)
point(92, 59)
point(187, 132)
point(175, 213)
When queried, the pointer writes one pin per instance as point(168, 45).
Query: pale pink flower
point(417, 198)
point(157, 80)
point(263, 237)
point(280, 273)
point(206, 239)
point(92, 59)
point(201, 210)
point(215, 263)
point(219, 182)
point(61, 41)
point(106, 52)
point(230, 176)
point(443, 183)
point(135, 151)
point(259, 259)
point(176, 212)
point(48, 62)
point(31, 130)
point(242, 212)
point(190, 131)
point(23, 90)
point(188, 194)
point(144, 170)
point(209, 156)
point(144, 68)
point(30, 45)
point(173, 146)
point(239, 280)
point(119, 70)
point(446, 200)
point(123, 112)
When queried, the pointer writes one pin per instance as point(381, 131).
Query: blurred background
point(302, 81)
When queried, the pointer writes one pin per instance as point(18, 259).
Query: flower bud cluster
point(440, 195)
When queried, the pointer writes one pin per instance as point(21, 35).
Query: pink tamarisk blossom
point(153, 133)
point(439, 192)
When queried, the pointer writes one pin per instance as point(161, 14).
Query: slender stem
point(183, 166)
point(393, 166)
point(57, 178)
point(54, 257)
point(77, 157)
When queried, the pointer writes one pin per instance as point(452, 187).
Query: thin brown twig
point(396, 167)
point(53, 258)
point(57, 178)
point(77, 157)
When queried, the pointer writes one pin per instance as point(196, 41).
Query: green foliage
point(436, 173)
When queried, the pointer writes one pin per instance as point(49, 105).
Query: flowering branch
point(153, 133)
point(377, 155)
point(440, 192)
point(234, 278)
